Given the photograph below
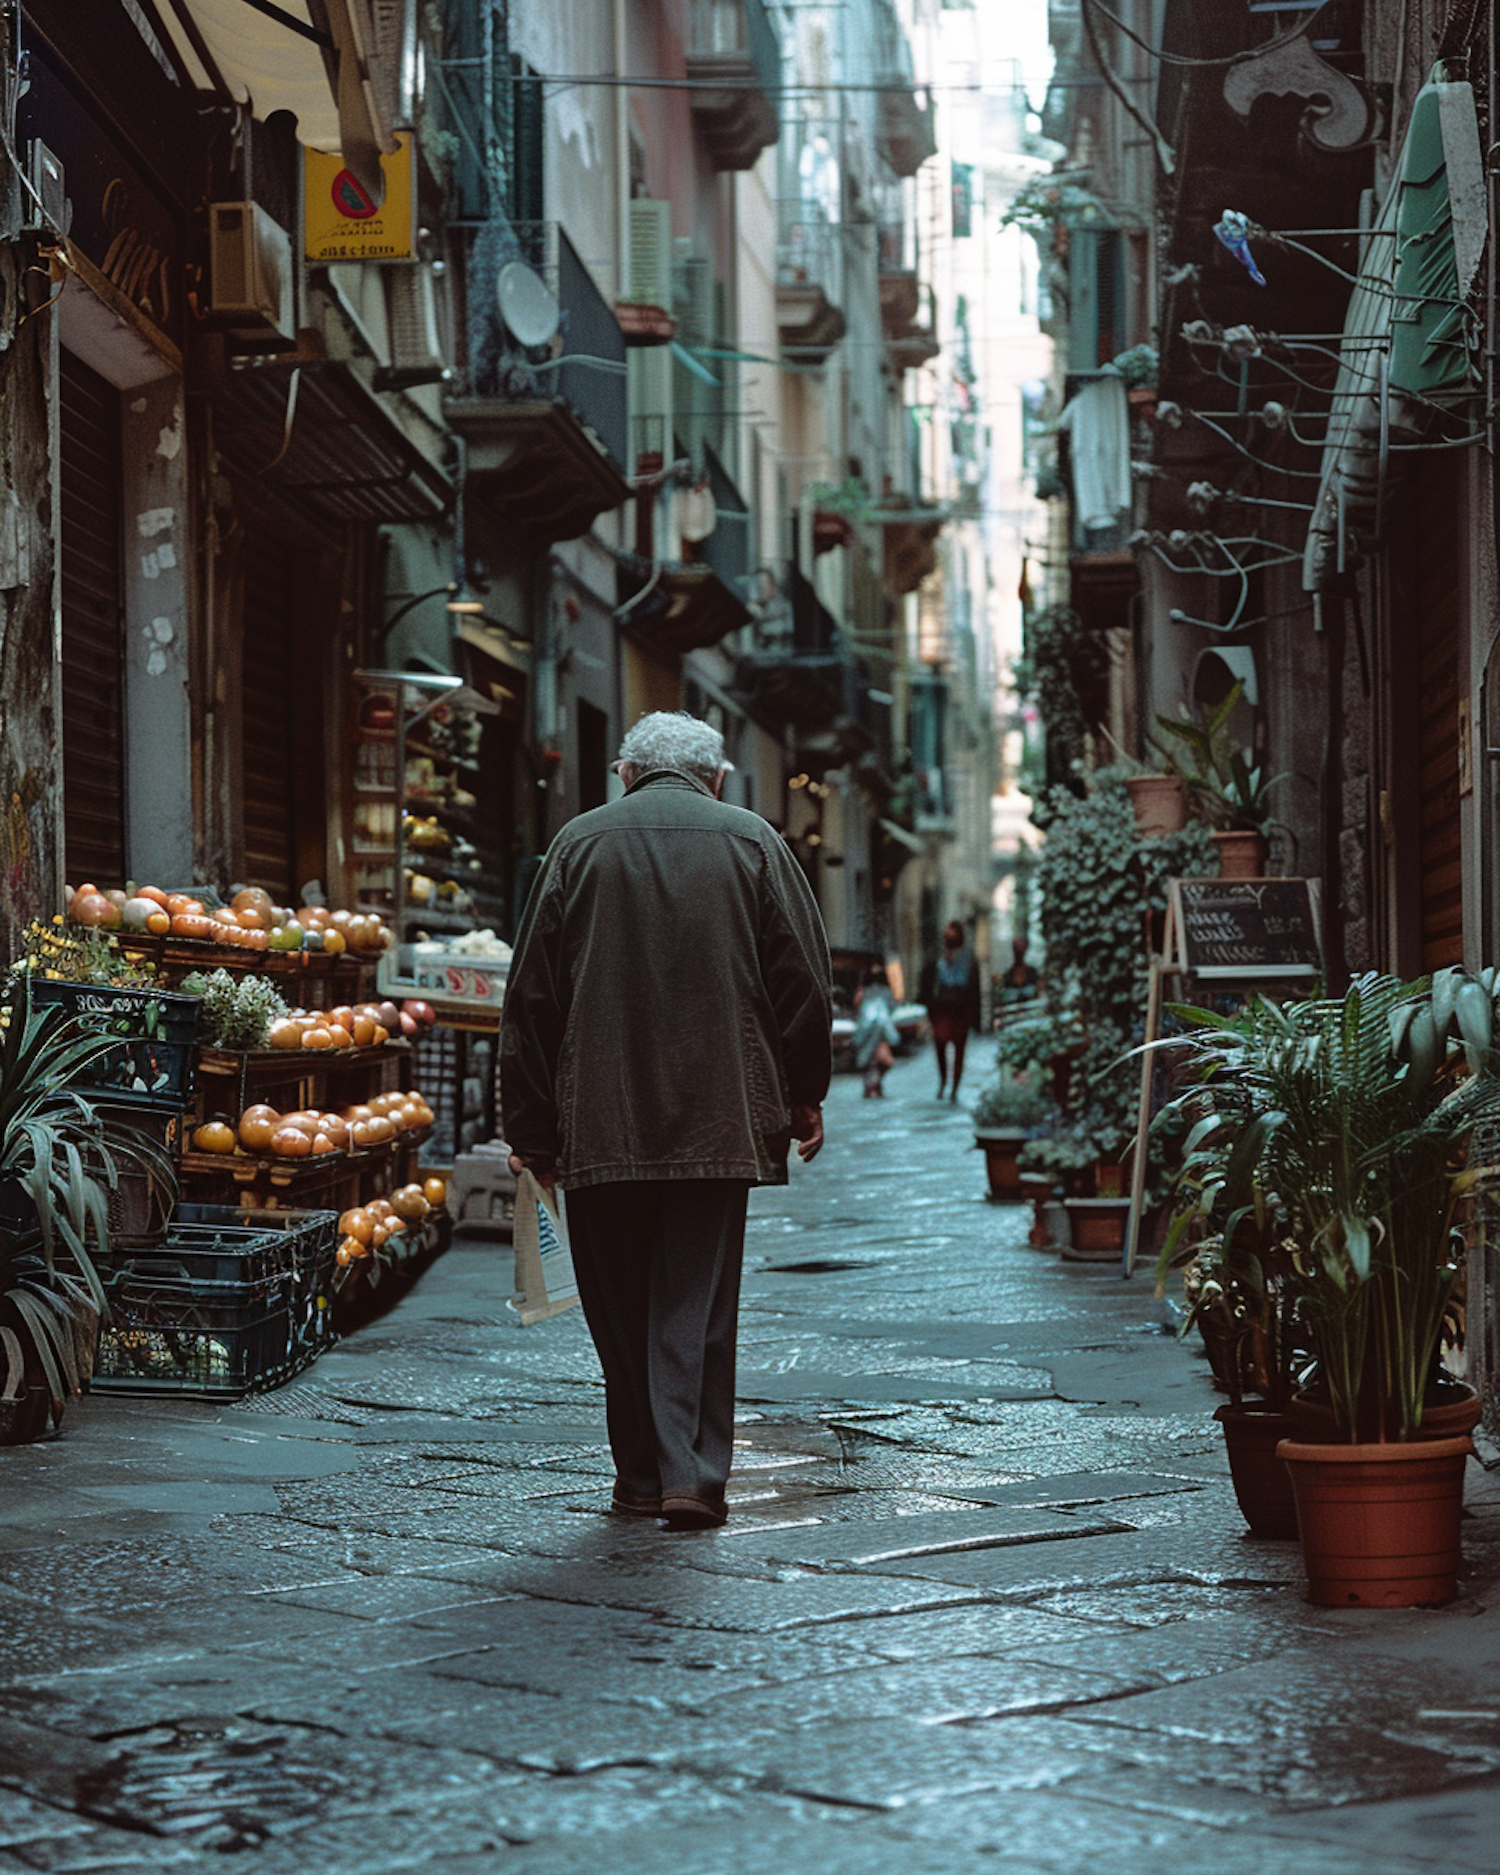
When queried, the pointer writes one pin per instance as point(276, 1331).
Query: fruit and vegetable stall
point(257, 1050)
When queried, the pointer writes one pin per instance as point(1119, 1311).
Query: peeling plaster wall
point(30, 621)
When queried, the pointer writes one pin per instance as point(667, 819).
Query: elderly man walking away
point(665, 1038)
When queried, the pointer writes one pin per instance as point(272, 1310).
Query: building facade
point(589, 355)
point(1271, 240)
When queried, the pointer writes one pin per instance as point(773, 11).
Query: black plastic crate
point(310, 1240)
point(139, 1212)
point(215, 1341)
point(153, 1063)
point(232, 1253)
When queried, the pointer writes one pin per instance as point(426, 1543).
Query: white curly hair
point(674, 739)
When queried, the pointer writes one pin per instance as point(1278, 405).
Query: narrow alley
point(984, 1597)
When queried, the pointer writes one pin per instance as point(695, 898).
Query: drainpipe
point(407, 67)
point(622, 153)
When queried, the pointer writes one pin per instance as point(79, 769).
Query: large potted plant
point(58, 1166)
point(1356, 1113)
point(1227, 787)
point(1242, 1287)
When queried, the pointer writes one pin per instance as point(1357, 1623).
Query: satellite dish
point(527, 304)
point(697, 515)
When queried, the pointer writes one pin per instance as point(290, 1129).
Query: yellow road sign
point(340, 220)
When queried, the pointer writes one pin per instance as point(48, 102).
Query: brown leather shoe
point(684, 1511)
point(628, 1503)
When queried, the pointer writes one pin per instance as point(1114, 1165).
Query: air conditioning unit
point(416, 341)
point(50, 186)
point(250, 276)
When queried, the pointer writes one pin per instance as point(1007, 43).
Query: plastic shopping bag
point(545, 1284)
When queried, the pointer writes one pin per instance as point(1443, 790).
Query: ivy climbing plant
point(1066, 671)
point(1098, 880)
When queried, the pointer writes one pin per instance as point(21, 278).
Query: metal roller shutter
point(268, 682)
point(1437, 546)
point(93, 686)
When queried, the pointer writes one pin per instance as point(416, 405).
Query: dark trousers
point(658, 1268)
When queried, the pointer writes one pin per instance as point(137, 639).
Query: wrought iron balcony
point(912, 341)
point(809, 282)
point(683, 604)
point(733, 45)
point(546, 422)
point(802, 678)
point(904, 131)
point(900, 283)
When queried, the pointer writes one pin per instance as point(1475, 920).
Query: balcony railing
point(727, 548)
point(735, 61)
point(594, 387)
point(809, 280)
point(738, 29)
point(544, 413)
point(896, 246)
point(904, 121)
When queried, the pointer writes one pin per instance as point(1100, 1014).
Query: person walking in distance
point(665, 1037)
point(950, 989)
point(876, 1036)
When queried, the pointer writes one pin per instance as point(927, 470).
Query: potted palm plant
point(58, 1167)
point(1242, 1288)
point(1356, 1113)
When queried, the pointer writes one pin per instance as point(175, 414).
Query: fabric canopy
point(1408, 333)
point(311, 57)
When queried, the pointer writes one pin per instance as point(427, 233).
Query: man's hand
point(544, 1179)
point(807, 1129)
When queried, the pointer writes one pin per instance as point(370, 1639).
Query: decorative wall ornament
point(1338, 114)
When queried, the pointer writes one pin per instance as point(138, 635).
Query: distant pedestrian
point(665, 1036)
point(1021, 982)
point(876, 1036)
point(950, 990)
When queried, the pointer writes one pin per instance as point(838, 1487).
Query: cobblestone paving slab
point(984, 1600)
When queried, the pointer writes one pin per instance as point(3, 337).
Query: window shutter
point(650, 272)
point(527, 192)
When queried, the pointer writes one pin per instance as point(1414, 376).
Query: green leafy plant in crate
point(57, 1169)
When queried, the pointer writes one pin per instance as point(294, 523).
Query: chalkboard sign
point(1243, 929)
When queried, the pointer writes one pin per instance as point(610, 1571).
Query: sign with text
point(1244, 929)
point(342, 223)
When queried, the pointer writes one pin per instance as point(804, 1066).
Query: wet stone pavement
point(984, 1598)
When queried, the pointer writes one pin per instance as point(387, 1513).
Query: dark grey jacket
point(668, 1003)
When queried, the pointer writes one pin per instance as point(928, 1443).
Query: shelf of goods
point(251, 1275)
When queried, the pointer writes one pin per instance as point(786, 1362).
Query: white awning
point(311, 57)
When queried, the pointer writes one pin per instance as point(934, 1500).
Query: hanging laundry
point(1098, 420)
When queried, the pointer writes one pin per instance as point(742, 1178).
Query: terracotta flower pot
point(1379, 1523)
point(1262, 1483)
point(1447, 1412)
point(1242, 853)
point(1037, 1192)
point(1098, 1228)
point(1159, 803)
point(1002, 1149)
point(1109, 1179)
